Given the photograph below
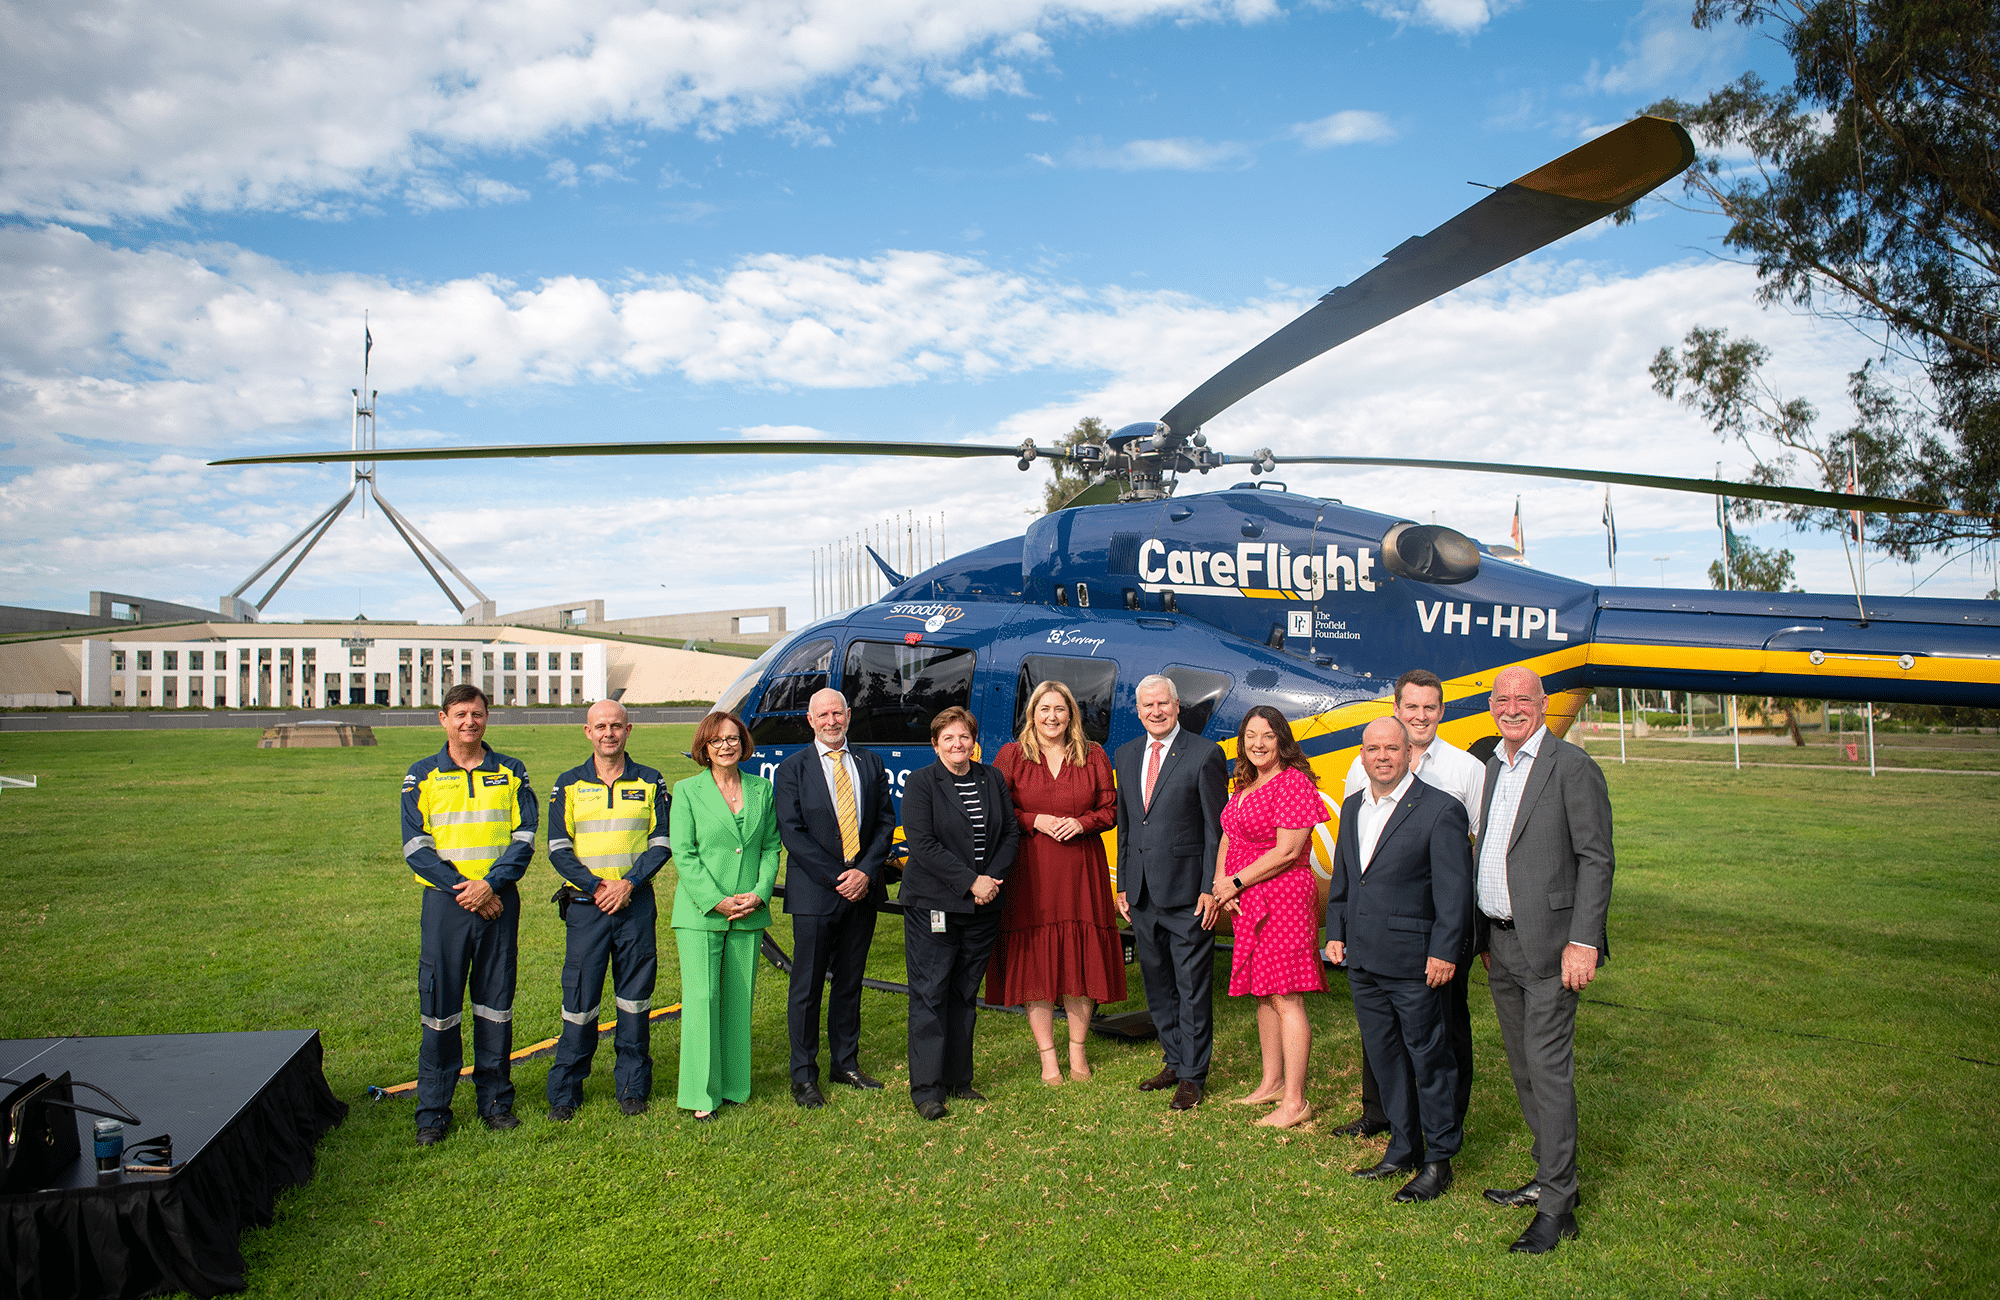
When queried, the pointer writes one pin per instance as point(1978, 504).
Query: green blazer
point(715, 859)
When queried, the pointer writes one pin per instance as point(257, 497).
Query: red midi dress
point(1277, 924)
point(1058, 924)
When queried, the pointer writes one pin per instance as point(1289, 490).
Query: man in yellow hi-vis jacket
point(469, 823)
point(607, 839)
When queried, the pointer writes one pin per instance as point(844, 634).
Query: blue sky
point(940, 221)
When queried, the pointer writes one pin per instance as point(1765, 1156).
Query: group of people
point(1006, 883)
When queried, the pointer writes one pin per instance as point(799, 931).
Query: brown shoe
point(1160, 1082)
point(1187, 1095)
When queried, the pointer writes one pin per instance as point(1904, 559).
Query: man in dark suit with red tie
point(836, 819)
point(1172, 785)
point(1398, 914)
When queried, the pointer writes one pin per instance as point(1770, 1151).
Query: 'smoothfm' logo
point(932, 616)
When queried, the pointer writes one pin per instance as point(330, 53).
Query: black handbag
point(40, 1134)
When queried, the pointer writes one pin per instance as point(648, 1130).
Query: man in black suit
point(1398, 914)
point(836, 819)
point(1543, 887)
point(1171, 788)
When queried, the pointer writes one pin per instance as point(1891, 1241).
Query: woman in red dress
point(1059, 929)
point(1263, 874)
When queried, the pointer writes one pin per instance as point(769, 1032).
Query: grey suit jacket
point(1559, 858)
point(1166, 853)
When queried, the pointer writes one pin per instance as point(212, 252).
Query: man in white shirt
point(1436, 761)
point(1398, 913)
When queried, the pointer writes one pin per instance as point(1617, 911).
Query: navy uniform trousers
point(460, 948)
point(626, 941)
point(944, 974)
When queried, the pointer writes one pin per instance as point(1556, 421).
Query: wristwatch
point(1238, 882)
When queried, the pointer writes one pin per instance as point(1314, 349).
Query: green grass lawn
point(1773, 1069)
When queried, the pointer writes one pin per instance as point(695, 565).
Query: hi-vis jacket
point(608, 832)
point(476, 825)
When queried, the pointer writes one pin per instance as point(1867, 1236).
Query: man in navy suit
point(1172, 785)
point(1398, 913)
point(836, 819)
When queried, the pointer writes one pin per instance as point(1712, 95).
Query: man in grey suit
point(1543, 891)
point(1171, 788)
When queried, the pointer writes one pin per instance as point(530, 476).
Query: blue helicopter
point(1253, 595)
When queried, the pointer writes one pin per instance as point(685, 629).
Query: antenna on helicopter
point(361, 484)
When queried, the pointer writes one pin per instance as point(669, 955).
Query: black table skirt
point(180, 1233)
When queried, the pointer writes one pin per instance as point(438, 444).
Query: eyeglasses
point(727, 742)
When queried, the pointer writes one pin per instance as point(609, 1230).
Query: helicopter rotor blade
point(1584, 185)
point(706, 447)
point(1796, 496)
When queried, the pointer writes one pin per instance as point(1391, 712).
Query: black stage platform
point(245, 1111)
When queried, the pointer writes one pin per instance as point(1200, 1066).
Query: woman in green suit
point(725, 839)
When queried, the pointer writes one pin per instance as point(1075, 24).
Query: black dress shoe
point(1514, 1198)
point(632, 1105)
point(429, 1137)
point(1544, 1233)
point(1187, 1095)
point(501, 1120)
point(1160, 1082)
point(931, 1110)
point(966, 1092)
point(856, 1079)
point(1362, 1128)
point(1431, 1182)
point(808, 1095)
point(1527, 1194)
point(562, 1114)
point(1383, 1170)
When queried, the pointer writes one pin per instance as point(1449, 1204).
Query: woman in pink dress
point(1263, 875)
point(1059, 929)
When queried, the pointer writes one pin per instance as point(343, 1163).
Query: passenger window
point(1200, 692)
point(1090, 680)
point(895, 690)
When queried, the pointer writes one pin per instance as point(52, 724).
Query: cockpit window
point(799, 674)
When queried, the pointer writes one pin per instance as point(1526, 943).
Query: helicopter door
point(894, 690)
point(778, 720)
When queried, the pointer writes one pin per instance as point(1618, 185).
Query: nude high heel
point(1051, 1072)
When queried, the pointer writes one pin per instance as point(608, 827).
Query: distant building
point(405, 670)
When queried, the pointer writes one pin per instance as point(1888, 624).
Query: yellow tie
point(844, 807)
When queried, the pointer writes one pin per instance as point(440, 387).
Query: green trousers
point(718, 975)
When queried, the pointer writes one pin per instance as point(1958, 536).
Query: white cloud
point(117, 108)
point(204, 349)
point(1349, 126)
point(1178, 154)
point(1665, 53)
point(1460, 16)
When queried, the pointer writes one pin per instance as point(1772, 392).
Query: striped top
point(975, 812)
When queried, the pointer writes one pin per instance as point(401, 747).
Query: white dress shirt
point(1373, 816)
point(1494, 898)
point(1443, 765)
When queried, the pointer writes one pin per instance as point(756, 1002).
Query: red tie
point(1153, 771)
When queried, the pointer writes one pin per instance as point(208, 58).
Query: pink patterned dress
point(1277, 926)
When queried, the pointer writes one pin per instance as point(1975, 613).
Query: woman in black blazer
point(959, 825)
